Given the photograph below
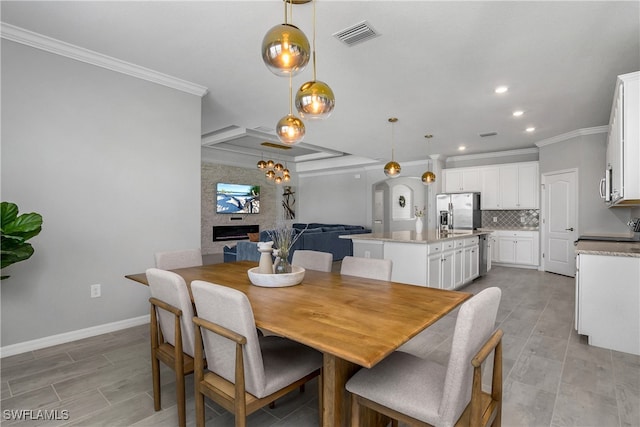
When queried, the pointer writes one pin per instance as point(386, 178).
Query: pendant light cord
point(285, 13)
point(290, 95)
point(393, 141)
point(314, 40)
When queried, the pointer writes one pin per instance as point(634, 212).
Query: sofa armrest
point(229, 253)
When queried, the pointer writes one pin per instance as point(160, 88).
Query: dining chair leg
point(199, 408)
point(180, 394)
point(155, 372)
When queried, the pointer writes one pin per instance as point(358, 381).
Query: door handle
point(569, 229)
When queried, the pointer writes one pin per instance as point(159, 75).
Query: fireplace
point(233, 232)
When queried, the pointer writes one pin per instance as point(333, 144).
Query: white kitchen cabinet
point(462, 179)
point(458, 267)
point(448, 270)
point(490, 192)
point(448, 266)
point(517, 247)
point(471, 259)
point(519, 186)
point(510, 186)
point(607, 310)
point(623, 142)
point(489, 253)
point(434, 270)
point(494, 255)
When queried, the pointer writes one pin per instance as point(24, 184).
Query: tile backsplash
point(512, 219)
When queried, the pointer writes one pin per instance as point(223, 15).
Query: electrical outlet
point(495, 219)
point(367, 254)
point(95, 291)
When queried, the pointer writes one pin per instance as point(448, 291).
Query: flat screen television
point(237, 198)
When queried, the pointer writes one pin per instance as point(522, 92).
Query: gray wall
point(335, 197)
point(113, 165)
point(587, 154)
point(347, 196)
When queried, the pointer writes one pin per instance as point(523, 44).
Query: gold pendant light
point(285, 48)
point(315, 99)
point(392, 169)
point(290, 129)
point(428, 177)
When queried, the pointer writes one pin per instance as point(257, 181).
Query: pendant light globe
point(428, 178)
point(285, 50)
point(315, 100)
point(290, 129)
point(392, 169)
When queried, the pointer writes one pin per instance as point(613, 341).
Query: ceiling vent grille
point(484, 135)
point(357, 33)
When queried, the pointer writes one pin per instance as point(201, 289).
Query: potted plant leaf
point(15, 230)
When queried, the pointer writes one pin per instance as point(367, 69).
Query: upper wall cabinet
point(506, 186)
point(519, 186)
point(623, 142)
point(462, 179)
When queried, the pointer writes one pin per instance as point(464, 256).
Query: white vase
point(265, 266)
point(419, 225)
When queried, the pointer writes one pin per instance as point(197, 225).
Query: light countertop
point(428, 236)
point(595, 247)
point(508, 229)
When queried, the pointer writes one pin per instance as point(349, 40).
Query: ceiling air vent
point(356, 33)
point(484, 135)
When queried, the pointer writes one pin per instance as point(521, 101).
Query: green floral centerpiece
point(283, 239)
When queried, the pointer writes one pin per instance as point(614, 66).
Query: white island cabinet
point(608, 298)
point(444, 261)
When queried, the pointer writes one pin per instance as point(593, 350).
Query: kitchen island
point(608, 294)
point(432, 258)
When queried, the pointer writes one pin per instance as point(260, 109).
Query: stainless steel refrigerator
point(458, 211)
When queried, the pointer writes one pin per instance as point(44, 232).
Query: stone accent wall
point(213, 173)
point(511, 219)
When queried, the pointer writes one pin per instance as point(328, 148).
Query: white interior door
point(560, 222)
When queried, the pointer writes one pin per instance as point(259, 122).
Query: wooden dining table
point(355, 322)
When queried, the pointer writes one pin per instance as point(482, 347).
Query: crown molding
point(572, 134)
point(48, 44)
point(494, 154)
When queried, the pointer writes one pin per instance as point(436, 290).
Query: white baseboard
point(23, 347)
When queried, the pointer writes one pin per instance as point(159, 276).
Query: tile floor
point(551, 377)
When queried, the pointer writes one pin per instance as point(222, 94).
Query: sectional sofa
point(315, 236)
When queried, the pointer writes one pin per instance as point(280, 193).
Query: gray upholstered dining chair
point(172, 335)
point(370, 268)
point(313, 260)
point(178, 259)
point(424, 393)
point(245, 372)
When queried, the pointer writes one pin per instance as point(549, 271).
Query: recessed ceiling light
point(530, 129)
point(462, 148)
point(518, 113)
point(501, 89)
